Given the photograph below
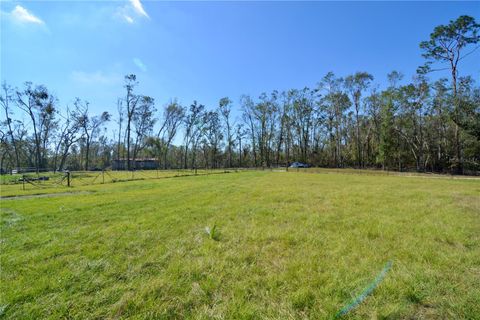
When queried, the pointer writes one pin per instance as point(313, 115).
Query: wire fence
point(43, 180)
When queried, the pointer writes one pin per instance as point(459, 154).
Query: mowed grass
point(12, 185)
point(289, 246)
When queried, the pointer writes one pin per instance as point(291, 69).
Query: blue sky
point(208, 50)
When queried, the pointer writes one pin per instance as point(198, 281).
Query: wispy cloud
point(128, 18)
point(140, 64)
point(22, 15)
point(96, 78)
point(138, 7)
point(131, 11)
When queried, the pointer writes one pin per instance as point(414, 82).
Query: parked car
point(299, 165)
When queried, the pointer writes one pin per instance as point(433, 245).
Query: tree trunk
point(10, 132)
point(128, 144)
point(185, 157)
point(359, 151)
point(458, 147)
point(87, 152)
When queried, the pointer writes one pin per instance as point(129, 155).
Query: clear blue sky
point(207, 50)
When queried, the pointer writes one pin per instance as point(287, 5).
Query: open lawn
point(48, 182)
point(289, 246)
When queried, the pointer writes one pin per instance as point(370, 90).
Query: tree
point(417, 124)
point(440, 125)
point(90, 126)
point(5, 100)
point(413, 102)
point(335, 102)
point(143, 122)
point(193, 126)
point(225, 107)
point(302, 119)
point(3, 146)
point(213, 134)
point(240, 134)
point(131, 101)
point(446, 45)
point(39, 105)
point(68, 135)
point(247, 115)
point(356, 84)
point(285, 124)
point(468, 107)
point(120, 122)
point(173, 116)
point(264, 114)
point(386, 143)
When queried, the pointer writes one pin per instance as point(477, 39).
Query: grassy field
point(12, 185)
point(289, 246)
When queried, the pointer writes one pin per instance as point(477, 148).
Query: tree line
point(420, 125)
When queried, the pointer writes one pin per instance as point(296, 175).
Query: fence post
point(103, 176)
point(68, 178)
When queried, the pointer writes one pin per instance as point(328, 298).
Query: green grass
point(287, 246)
point(12, 185)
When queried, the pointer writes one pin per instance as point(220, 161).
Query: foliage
point(342, 122)
point(213, 232)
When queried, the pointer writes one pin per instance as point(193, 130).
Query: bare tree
point(120, 122)
point(248, 117)
point(240, 133)
point(131, 101)
point(192, 122)
point(5, 99)
point(68, 135)
point(39, 105)
point(213, 134)
point(335, 102)
point(143, 122)
point(284, 127)
point(356, 84)
point(172, 119)
point(90, 126)
point(225, 107)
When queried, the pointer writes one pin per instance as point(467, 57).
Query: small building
point(138, 164)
